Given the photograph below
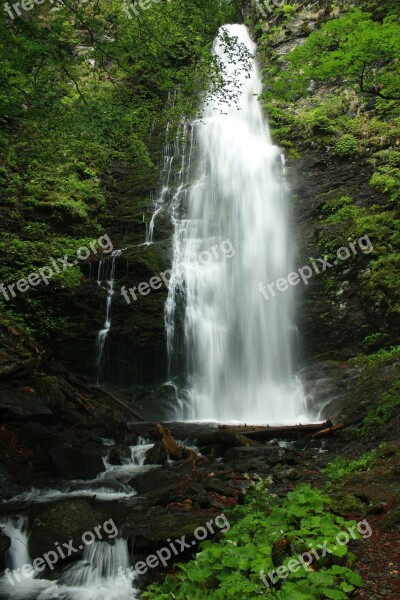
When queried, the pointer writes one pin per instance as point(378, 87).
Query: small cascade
point(171, 175)
point(105, 278)
point(98, 575)
point(16, 529)
point(113, 484)
point(138, 452)
point(177, 288)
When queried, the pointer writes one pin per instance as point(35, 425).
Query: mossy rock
point(62, 522)
point(391, 522)
point(344, 504)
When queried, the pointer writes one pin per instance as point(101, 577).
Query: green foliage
point(342, 467)
point(387, 180)
point(378, 359)
point(347, 146)
point(355, 47)
point(388, 157)
point(388, 404)
point(288, 10)
point(231, 567)
point(83, 89)
point(343, 219)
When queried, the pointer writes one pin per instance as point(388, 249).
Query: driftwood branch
point(175, 450)
point(328, 431)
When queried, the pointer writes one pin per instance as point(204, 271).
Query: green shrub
point(388, 157)
point(347, 146)
point(387, 180)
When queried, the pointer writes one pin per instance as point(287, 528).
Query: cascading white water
point(97, 576)
point(115, 483)
point(238, 345)
point(105, 275)
point(16, 529)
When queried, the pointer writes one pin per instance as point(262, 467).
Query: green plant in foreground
point(231, 567)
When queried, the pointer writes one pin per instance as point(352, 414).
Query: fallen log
point(266, 432)
point(18, 369)
point(73, 395)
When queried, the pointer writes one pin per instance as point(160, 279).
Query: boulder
point(259, 460)
point(16, 405)
point(5, 543)
point(157, 455)
point(62, 522)
point(157, 479)
point(117, 454)
point(78, 461)
point(218, 487)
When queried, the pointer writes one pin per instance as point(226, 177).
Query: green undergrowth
point(342, 467)
point(388, 407)
point(343, 221)
point(379, 385)
point(231, 566)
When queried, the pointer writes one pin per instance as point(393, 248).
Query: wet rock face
point(8, 485)
point(329, 328)
point(135, 350)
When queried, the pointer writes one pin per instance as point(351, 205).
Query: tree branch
point(373, 91)
point(64, 68)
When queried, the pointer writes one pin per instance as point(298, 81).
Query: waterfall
point(238, 345)
point(105, 276)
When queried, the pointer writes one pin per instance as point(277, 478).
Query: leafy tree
point(81, 87)
point(355, 48)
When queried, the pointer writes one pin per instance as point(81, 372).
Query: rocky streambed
point(126, 487)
